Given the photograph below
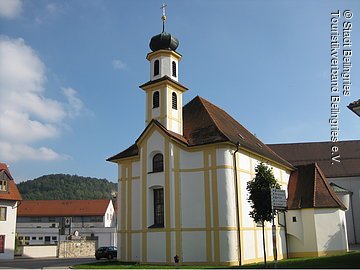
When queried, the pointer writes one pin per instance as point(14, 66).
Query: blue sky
point(70, 71)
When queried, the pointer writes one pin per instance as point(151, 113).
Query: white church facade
point(182, 184)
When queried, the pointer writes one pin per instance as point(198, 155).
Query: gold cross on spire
point(163, 17)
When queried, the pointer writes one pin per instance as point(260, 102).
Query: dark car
point(106, 252)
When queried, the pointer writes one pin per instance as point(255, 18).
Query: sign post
point(278, 202)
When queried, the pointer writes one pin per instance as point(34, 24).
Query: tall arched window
point(174, 101)
point(158, 208)
point(158, 163)
point(174, 68)
point(156, 99)
point(156, 67)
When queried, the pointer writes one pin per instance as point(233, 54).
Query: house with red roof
point(45, 222)
point(343, 174)
point(9, 202)
point(316, 223)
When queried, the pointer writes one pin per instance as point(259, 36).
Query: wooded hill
point(66, 187)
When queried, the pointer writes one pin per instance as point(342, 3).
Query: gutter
point(237, 203)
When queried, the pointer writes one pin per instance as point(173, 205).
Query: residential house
point(45, 222)
point(9, 201)
point(341, 168)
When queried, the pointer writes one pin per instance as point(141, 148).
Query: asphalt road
point(48, 263)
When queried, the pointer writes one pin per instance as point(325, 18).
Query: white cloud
point(26, 115)
point(118, 64)
point(14, 152)
point(10, 8)
point(76, 106)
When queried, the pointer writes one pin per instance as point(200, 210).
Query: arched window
point(156, 99)
point(174, 101)
point(158, 163)
point(174, 68)
point(158, 208)
point(156, 67)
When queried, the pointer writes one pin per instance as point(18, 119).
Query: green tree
point(259, 196)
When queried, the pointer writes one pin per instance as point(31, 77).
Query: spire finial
point(163, 17)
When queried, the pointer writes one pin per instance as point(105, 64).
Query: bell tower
point(163, 91)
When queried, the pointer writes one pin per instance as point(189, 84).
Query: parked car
point(106, 252)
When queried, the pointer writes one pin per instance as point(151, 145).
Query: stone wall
point(77, 248)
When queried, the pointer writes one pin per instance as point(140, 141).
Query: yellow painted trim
point(210, 229)
point(123, 213)
point(163, 83)
point(207, 206)
point(177, 187)
point(167, 53)
point(242, 255)
point(149, 96)
point(215, 206)
point(129, 212)
point(167, 200)
point(217, 167)
point(122, 160)
point(144, 203)
point(168, 109)
point(163, 105)
point(229, 263)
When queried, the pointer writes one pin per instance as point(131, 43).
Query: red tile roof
point(205, 123)
point(320, 152)
point(61, 208)
point(308, 188)
point(12, 194)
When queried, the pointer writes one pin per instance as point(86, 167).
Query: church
point(182, 184)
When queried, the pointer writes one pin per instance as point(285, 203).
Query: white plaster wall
point(295, 228)
point(247, 221)
point(281, 243)
point(249, 245)
point(155, 144)
point(224, 157)
point(352, 215)
point(269, 243)
point(228, 246)
point(191, 160)
point(192, 200)
point(194, 246)
point(119, 171)
point(136, 247)
point(109, 216)
point(226, 198)
point(330, 229)
point(308, 242)
point(135, 167)
point(136, 213)
point(243, 161)
point(7, 228)
point(259, 239)
point(39, 251)
point(156, 247)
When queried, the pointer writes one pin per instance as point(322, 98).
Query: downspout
point(237, 203)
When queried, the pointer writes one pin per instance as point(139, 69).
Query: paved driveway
point(48, 263)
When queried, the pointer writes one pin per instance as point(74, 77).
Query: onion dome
point(163, 41)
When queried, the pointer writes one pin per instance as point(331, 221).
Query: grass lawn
point(349, 260)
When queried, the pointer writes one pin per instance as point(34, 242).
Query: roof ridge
point(328, 187)
point(321, 142)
